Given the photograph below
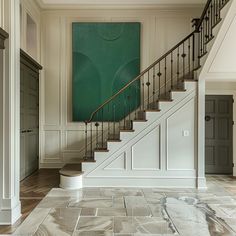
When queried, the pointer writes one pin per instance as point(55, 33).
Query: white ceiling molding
point(121, 4)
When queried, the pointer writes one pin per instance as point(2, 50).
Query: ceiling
point(68, 3)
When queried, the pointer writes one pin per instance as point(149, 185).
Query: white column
point(201, 180)
point(10, 116)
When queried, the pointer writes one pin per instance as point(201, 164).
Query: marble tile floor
point(136, 212)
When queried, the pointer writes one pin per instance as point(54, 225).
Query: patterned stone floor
point(136, 212)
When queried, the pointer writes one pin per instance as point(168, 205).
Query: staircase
point(117, 133)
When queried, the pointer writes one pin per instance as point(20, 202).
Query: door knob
point(29, 131)
point(207, 118)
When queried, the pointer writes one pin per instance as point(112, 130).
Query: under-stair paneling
point(143, 158)
point(180, 139)
point(56, 90)
point(119, 163)
point(146, 151)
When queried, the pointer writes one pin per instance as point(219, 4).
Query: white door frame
point(10, 207)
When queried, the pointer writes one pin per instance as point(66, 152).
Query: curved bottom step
point(71, 177)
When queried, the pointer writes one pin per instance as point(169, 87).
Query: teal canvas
point(106, 56)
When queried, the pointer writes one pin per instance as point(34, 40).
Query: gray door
point(29, 121)
point(219, 134)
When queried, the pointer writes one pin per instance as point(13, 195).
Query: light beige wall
point(31, 8)
point(61, 139)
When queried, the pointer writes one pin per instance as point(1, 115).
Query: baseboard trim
point(201, 183)
point(10, 216)
point(51, 165)
point(140, 182)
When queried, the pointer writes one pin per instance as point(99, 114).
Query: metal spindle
point(211, 18)
point(183, 56)
point(91, 139)
point(154, 86)
point(129, 100)
point(124, 114)
point(214, 11)
point(96, 125)
point(148, 86)
point(189, 59)
point(178, 65)
point(193, 53)
point(143, 93)
point(86, 140)
point(171, 69)
point(114, 121)
point(102, 128)
point(109, 120)
point(135, 112)
point(165, 78)
point(159, 81)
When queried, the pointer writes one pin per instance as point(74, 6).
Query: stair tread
point(71, 170)
point(114, 140)
point(88, 159)
point(126, 130)
point(139, 120)
point(178, 90)
point(152, 110)
point(101, 150)
point(165, 100)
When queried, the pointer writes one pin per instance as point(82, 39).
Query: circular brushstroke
point(86, 87)
point(129, 99)
point(110, 31)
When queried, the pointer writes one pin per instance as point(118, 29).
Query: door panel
point(29, 121)
point(219, 134)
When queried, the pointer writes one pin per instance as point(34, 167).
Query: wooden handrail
point(139, 76)
point(203, 14)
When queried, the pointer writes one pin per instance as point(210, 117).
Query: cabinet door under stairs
point(29, 119)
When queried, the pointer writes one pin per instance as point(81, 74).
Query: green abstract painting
point(106, 56)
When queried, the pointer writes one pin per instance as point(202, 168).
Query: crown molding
point(141, 4)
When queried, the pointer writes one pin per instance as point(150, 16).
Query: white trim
point(141, 4)
point(10, 166)
point(201, 181)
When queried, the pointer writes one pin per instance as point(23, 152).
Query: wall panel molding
point(56, 95)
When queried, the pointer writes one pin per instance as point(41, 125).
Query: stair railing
point(152, 85)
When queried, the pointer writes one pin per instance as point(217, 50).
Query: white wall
point(61, 139)
point(225, 88)
point(31, 31)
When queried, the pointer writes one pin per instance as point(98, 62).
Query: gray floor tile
point(95, 224)
point(59, 222)
point(91, 203)
point(54, 202)
point(111, 212)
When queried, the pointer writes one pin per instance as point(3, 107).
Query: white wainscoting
point(62, 140)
